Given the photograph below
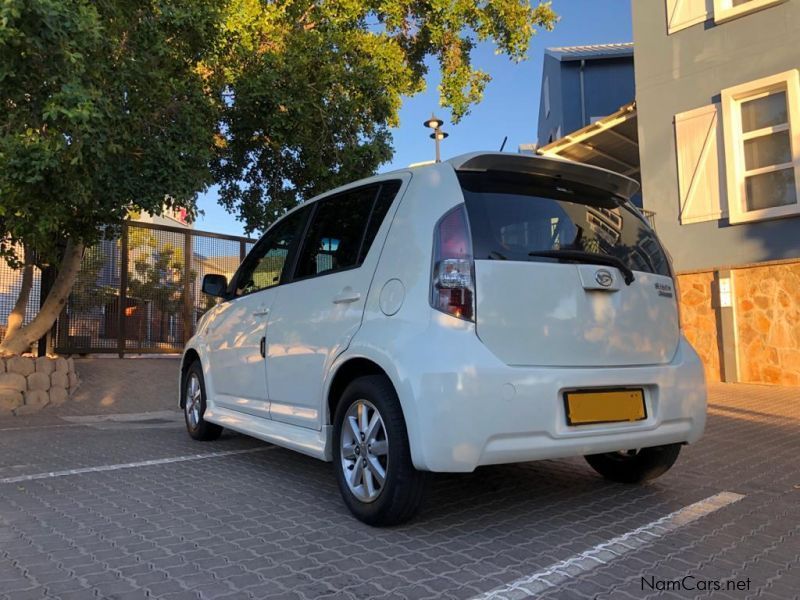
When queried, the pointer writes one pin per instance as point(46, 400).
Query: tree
point(158, 272)
point(103, 110)
point(111, 106)
point(313, 86)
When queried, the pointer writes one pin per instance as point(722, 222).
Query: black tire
point(635, 467)
point(202, 430)
point(400, 495)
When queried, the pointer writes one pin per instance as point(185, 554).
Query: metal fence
point(141, 293)
point(10, 283)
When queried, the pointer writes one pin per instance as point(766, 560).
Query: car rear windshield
point(514, 217)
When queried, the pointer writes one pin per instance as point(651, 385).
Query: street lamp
point(438, 135)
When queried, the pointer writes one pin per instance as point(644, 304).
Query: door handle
point(347, 298)
point(261, 312)
point(262, 347)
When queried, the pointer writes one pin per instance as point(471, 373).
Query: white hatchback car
point(493, 308)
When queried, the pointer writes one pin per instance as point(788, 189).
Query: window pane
point(384, 201)
point(511, 216)
point(772, 149)
point(770, 189)
point(335, 234)
point(263, 267)
point(764, 112)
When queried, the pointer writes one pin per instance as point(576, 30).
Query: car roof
point(618, 185)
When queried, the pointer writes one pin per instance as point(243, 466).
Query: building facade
point(581, 84)
point(587, 111)
point(718, 102)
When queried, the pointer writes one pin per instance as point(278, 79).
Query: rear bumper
point(485, 412)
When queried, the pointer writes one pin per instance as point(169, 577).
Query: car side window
point(343, 228)
point(333, 241)
point(383, 203)
point(265, 264)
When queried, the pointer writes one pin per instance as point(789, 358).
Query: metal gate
point(141, 292)
point(10, 284)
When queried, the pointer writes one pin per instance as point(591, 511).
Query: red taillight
point(453, 286)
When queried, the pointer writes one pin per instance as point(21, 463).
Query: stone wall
point(29, 384)
point(699, 319)
point(768, 323)
point(766, 308)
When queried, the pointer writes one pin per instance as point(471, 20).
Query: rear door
point(565, 276)
point(316, 315)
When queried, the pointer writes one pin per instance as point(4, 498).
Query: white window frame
point(725, 11)
point(732, 98)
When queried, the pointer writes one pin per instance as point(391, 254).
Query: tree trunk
point(22, 339)
point(17, 316)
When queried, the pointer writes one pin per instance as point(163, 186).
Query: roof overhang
point(591, 52)
point(611, 143)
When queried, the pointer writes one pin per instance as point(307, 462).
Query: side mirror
point(215, 285)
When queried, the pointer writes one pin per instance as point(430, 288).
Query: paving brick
point(57, 588)
point(32, 594)
point(168, 586)
point(268, 525)
point(213, 590)
point(183, 595)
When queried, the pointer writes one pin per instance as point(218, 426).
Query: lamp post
point(438, 135)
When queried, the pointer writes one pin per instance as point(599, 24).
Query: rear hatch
point(566, 274)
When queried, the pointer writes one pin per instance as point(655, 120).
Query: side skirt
point(311, 442)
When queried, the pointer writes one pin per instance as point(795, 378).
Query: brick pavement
point(271, 524)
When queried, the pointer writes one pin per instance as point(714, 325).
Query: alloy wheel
point(192, 403)
point(364, 450)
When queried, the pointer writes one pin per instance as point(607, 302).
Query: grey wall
point(548, 124)
point(608, 84)
point(686, 70)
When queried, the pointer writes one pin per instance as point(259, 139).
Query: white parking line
point(162, 415)
point(132, 465)
point(36, 427)
point(146, 420)
point(601, 554)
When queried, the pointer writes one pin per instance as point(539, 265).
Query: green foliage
point(112, 106)
point(157, 271)
point(90, 292)
point(311, 87)
point(102, 111)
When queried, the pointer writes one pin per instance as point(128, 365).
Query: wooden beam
point(624, 138)
point(626, 113)
point(625, 165)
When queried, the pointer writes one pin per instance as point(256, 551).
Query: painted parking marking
point(163, 419)
point(37, 427)
point(132, 465)
point(166, 415)
point(603, 553)
point(145, 420)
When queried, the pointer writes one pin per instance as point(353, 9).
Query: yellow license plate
point(605, 406)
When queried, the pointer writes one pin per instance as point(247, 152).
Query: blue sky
point(510, 105)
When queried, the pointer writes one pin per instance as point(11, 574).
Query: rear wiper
point(496, 255)
point(589, 257)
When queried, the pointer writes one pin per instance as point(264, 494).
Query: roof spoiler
point(619, 186)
